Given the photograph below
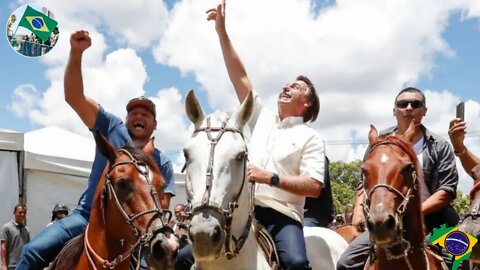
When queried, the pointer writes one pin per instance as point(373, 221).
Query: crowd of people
point(286, 161)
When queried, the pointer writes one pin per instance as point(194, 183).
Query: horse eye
point(122, 184)
point(409, 169)
point(241, 155)
point(364, 173)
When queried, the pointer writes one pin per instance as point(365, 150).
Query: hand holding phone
point(461, 110)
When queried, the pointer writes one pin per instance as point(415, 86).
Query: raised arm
point(84, 106)
point(456, 132)
point(236, 70)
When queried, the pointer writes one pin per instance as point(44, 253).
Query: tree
point(344, 179)
point(461, 203)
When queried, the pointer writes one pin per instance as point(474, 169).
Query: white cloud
point(24, 99)
point(135, 23)
point(172, 128)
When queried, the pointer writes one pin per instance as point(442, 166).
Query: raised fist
point(80, 41)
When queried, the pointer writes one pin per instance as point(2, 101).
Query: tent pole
point(21, 178)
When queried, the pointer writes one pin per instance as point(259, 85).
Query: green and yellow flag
point(40, 24)
point(457, 243)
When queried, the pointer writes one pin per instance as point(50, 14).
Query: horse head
point(216, 159)
point(391, 186)
point(471, 222)
point(130, 202)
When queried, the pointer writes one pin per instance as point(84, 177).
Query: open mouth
point(285, 95)
point(138, 125)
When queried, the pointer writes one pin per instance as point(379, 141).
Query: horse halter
point(206, 204)
point(400, 211)
point(142, 237)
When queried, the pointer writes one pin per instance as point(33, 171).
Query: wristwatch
point(275, 180)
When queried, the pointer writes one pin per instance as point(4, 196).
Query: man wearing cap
point(139, 126)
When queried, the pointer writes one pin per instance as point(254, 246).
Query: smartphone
point(461, 110)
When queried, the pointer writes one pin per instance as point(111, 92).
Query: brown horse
point(126, 217)
point(393, 205)
point(348, 232)
point(471, 222)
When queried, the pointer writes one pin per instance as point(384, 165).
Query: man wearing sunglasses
point(438, 188)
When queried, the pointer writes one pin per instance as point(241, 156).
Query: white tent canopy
point(59, 151)
point(11, 140)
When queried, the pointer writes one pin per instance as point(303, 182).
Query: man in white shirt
point(286, 155)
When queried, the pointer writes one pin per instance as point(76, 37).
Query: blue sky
point(358, 53)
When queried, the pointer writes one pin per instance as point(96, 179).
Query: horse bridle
point(142, 237)
point(206, 204)
point(401, 241)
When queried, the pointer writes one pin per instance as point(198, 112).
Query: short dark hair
point(312, 112)
point(412, 90)
point(19, 206)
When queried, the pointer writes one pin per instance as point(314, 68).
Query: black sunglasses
point(414, 103)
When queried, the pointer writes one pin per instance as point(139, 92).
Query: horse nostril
point(216, 235)
point(369, 224)
point(157, 250)
point(390, 222)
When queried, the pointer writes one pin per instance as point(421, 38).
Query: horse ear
point(410, 132)
point(372, 135)
point(105, 147)
point(244, 111)
point(194, 110)
point(149, 148)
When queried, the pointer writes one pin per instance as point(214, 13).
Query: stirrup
point(266, 243)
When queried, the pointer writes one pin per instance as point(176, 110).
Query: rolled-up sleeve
point(313, 159)
point(447, 169)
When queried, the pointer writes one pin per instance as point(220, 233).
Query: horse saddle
point(266, 243)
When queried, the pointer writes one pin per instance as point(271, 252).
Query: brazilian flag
point(457, 243)
point(40, 24)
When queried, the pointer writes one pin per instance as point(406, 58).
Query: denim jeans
point(288, 236)
point(310, 222)
point(46, 245)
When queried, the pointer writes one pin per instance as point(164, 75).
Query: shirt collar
point(289, 121)
point(16, 224)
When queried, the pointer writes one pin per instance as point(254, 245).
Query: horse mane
point(136, 150)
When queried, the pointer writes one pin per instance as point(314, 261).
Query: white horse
point(221, 199)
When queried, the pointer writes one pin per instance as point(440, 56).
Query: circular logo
point(32, 30)
point(457, 243)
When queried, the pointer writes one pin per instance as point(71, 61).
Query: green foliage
point(461, 203)
point(344, 180)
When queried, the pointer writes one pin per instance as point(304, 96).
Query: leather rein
point(206, 204)
point(142, 237)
